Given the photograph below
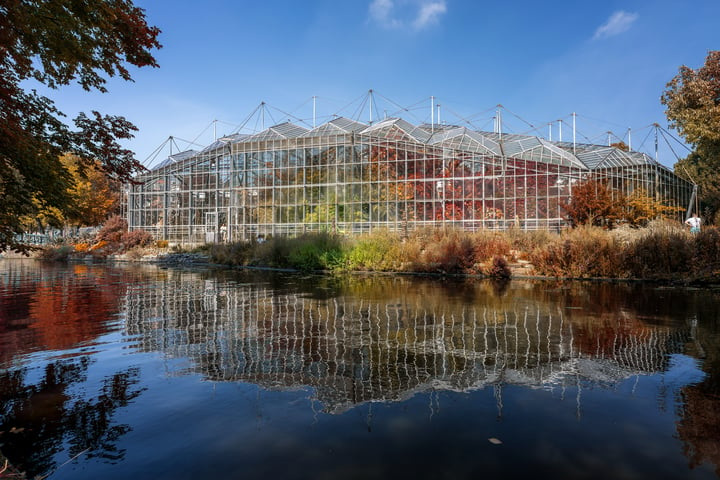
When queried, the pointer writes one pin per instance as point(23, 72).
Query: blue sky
point(607, 61)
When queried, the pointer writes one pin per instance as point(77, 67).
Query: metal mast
point(314, 98)
point(573, 117)
point(370, 97)
point(560, 130)
point(432, 114)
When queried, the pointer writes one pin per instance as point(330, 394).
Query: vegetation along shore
point(663, 250)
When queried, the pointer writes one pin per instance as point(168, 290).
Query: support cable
point(358, 112)
point(247, 119)
point(362, 97)
point(518, 117)
point(464, 119)
point(664, 131)
point(645, 139)
point(155, 153)
point(662, 134)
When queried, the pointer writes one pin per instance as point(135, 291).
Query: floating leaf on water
point(495, 441)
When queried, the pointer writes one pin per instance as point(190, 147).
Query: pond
point(143, 372)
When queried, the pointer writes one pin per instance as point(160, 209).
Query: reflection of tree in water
point(51, 307)
point(699, 424)
point(37, 419)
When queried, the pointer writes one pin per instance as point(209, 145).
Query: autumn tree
point(640, 208)
point(51, 44)
point(592, 203)
point(95, 195)
point(692, 99)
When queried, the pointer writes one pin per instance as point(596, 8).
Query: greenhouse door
point(210, 227)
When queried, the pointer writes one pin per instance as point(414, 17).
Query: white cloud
point(380, 10)
point(429, 13)
point(618, 23)
point(416, 14)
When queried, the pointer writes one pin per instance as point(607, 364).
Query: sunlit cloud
point(618, 23)
point(429, 13)
point(415, 14)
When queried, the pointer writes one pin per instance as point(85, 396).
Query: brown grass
point(583, 252)
point(664, 250)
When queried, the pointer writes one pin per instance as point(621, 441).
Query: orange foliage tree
point(641, 208)
point(594, 203)
point(95, 195)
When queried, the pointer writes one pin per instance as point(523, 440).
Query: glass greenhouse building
point(350, 177)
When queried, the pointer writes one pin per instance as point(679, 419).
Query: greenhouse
point(350, 177)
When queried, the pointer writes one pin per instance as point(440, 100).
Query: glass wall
point(350, 178)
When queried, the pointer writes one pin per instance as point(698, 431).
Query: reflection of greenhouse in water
point(351, 177)
point(352, 351)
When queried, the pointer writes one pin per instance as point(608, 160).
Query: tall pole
point(370, 98)
point(439, 122)
point(550, 131)
point(314, 98)
point(573, 117)
point(656, 141)
point(215, 129)
point(432, 114)
point(560, 130)
point(630, 139)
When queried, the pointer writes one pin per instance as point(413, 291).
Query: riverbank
point(662, 251)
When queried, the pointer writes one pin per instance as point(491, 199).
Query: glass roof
point(538, 149)
point(462, 138)
point(583, 156)
point(221, 142)
point(337, 126)
point(281, 131)
point(178, 157)
point(393, 128)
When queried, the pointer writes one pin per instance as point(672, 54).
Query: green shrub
point(316, 251)
point(306, 257)
point(375, 252)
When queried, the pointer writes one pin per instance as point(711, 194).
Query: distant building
point(350, 177)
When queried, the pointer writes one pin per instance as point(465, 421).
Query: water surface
point(122, 372)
